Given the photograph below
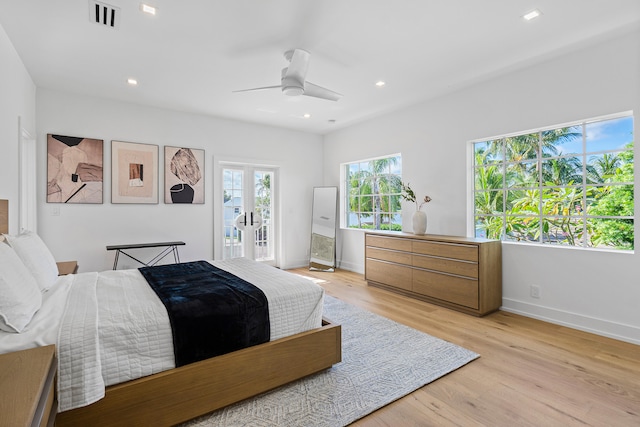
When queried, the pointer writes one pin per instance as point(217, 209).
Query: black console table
point(168, 247)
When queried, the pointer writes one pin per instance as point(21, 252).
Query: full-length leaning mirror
point(323, 229)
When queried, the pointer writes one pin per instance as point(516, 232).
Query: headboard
point(4, 217)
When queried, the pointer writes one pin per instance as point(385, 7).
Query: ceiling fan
point(293, 81)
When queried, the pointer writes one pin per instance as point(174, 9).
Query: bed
point(150, 388)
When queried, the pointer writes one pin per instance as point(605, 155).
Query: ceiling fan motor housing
point(293, 79)
point(290, 85)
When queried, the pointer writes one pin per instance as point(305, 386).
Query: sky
point(602, 135)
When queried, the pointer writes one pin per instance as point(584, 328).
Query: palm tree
point(263, 185)
point(263, 205)
point(602, 169)
point(365, 187)
point(550, 139)
point(525, 147)
point(488, 197)
point(488, 178)
point(562, 171)
point(521, 154)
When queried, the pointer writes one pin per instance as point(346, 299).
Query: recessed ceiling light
point(380, 83)
point(307, 116)
point(532, 15)
point(146, 8)
point(132, 82)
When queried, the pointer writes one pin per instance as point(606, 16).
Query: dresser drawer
point(448, 250)
point(446, 265)
point(384, 272)
point(388, 255)
point(388, 242)
point(457, 290)
point(461, 273)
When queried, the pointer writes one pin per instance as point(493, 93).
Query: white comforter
point(114, 327)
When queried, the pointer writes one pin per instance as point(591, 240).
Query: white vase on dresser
point(419, 222)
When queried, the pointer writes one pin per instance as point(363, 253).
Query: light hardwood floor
point(530, 373)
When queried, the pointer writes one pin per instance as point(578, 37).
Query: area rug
point(381, 361)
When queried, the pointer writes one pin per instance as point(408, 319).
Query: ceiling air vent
point(104, 14)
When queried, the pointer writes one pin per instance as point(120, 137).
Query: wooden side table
point(27, 387)
point(67, 267)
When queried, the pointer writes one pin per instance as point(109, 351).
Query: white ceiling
point(194, 53)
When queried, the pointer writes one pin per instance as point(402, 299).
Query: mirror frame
point(324, 229)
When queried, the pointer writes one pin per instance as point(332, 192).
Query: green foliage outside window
point(569, 186)
point(374, 194)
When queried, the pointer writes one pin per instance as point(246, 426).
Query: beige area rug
point(381, 361)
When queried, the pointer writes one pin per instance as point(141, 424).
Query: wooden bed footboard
point(180, 394)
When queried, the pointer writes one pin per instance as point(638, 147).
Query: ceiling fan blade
point(299, 65)
point(320, 92)
point(257, 88)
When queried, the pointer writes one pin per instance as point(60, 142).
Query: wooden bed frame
point(4, 217)
point(180, 394)
point(177, 395)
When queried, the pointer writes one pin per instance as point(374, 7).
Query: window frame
point(345, 205)
point(539, 187)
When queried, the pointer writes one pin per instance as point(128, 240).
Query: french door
point(249, 223)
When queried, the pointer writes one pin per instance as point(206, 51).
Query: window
point(372, 193)
point(567, 186)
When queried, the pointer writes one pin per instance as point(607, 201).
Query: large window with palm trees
point(569, 186)
point(373, 190)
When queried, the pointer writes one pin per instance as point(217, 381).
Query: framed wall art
point(74, 169)
point(183, 175)
point(134, 172)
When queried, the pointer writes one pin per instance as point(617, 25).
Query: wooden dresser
point(461, 273)
point(27, 387)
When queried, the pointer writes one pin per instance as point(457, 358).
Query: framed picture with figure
point(183, 175)
point(134, 172)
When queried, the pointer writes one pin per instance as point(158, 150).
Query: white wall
point(81, 231)
point(17, 99)
point(599, 291)
point(595, 291)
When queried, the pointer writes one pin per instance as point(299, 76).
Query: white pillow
point(36, 257)
point(20, 297)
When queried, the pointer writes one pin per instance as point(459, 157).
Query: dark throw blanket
point(212, 312)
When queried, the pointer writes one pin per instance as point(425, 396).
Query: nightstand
point(27, 387)
point(67, 267)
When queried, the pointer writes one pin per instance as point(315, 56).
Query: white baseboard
point(349, 266)
point(356, 268)
point(593, 325)
point(606, 328)
point(300, 263)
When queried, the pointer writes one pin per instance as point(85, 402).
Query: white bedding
point(43, 328)
point(113, 328)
